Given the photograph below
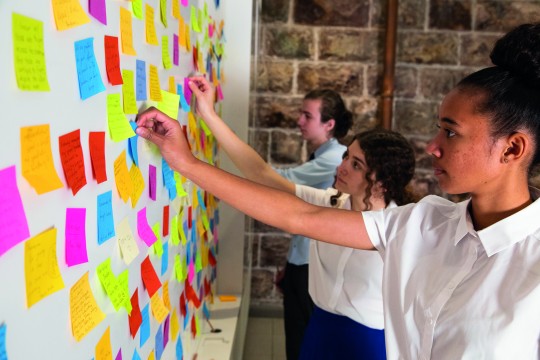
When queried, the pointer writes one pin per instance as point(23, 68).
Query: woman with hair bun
point(461, 281)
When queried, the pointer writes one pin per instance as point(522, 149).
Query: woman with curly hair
point(461, 280)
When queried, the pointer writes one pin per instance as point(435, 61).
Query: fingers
point(199, 83)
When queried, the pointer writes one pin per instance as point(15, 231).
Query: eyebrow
point(449, 121)
point(359, 160)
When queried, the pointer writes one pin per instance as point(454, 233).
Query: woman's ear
point(518, 147)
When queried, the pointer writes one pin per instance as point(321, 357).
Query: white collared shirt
point(451, 292)
point(342, 280)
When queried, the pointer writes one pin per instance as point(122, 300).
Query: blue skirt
point(330, 336)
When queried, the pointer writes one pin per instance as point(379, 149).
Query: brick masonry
point(339, 44)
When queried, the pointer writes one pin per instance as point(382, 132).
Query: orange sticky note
point(103, 347)
point(96, 140)
point(158, 308)
point(151, 37)
point(149, 277)
point(126, 32)
point(122, 178)
point(155, 89)
point(41, 271)
point(36, 158)
point(72, 160)
point(172, 85)
point(137, 181)
point(181, 32)
point(83, 309)
point(112, 60)
point(68, 14)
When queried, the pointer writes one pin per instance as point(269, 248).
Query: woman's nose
point(433, 148)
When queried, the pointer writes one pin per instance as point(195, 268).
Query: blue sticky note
point(145, 326)
point(168, 179)
point(201, 200)
point(105, 220)
point(159, 343)
point(132, 144)
point(90, 82)
point(186, 318)
point(3, 353)
point(135, 355)
point(193, 231)
point(183, 103)
point(205, 311)
point(165, 258)
point(140, 80)
point(179, 348)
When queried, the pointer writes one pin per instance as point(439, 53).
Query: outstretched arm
point(244, 157)
point(271, 206)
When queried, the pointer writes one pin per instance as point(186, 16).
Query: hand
point(205, 95)
point(166, 133)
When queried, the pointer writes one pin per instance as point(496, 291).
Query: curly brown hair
point(390, 157)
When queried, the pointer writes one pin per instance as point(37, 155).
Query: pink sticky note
point(219, 92)
point(191, 272)
point(144, 230)
point(13, 224)
point(175, 50)
point(185, 2)
point(152, 181)
point(75, 234)
point(187, 91)
point(210, 30)
point(98, 10)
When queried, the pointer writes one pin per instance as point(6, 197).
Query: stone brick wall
point(339, 44)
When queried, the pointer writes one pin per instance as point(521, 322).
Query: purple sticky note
point(187, 91)
point(152, 181)
point(191, 271)
point(175, 49)
point(166, 332)
point(75, 234)
point(144, 230)
point(13, 224)
point(98, 10)
point(119, 355)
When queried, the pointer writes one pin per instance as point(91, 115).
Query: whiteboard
point(43, 330)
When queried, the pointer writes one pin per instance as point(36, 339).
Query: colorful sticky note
point(137, 182)
point(128, 92)
point(163, 11)
point(72, 160)
point(121, 177)
point(13, 224)
point(119, 128)
point(166, 220)
point(132, 145)
point(169, 104)
point(183, 103)
point(36, 159)
point(175, 9)
point(187, 91)
point(135, 318)
point(158, 308)
point(136, 7)
point(159, 342)
point(105, 217)
point(165, 258)
point(166, 331)
point(88, 74)
point(149, 277)
point(126, 32)
point(182, 32)
point(68, 14)
point(98, 10)
point(194, 20)
point(75, 235)
point(3, 353)
point(96, 141)
point(118, 355)
point(103, 347)
point(140, 83)
point(155, 88)
point(151, 37)
point(29, 53)
point(172, 85)
point(85, 313)
point(176, 50)
point(135, 355)
point(152, 182)
point(175, 239)
point(41, 270)
point(175, 324)
point(179, 349)
point(157, 246)
point(126, 241)
point(112, 60)
point(116, 287)
point(165, 56)
point(144, 230)
point(145, 326)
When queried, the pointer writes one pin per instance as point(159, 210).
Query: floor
point(265, 339)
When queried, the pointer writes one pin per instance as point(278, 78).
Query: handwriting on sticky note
point(165, 56)
point(88, 74)
point(96, 140)
point(126, 241)
point(103, 347)
point(140, 83)
point(128, 92)
point(75, 235)
point(119, 128)
point(85, 313)
point(151, 37)
point(135, 318)
point(155, 88)
point(105, 217)
point(149, 277)
point(121, 177)
point(68, 14)
point(126, 32)
point(112, 60)
point(169, 104)
point(137, 181)
point(72, 160)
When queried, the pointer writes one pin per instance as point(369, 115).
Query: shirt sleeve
point(319, 170)
point(314, 196)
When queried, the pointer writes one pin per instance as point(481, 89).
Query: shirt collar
point(465, 225)
point(325, 146)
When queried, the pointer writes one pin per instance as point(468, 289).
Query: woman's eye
point(449, 133)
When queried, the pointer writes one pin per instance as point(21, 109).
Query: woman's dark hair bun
point(519, 52)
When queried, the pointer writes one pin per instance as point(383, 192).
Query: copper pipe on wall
point(389, 64)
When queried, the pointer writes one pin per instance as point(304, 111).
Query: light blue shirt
point(318, 173)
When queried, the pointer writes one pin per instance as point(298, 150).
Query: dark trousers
point(297, 307)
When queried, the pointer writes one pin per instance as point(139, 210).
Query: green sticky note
point(178, 271)
point(194, 20)
point(157, 246)
point(175, 239)
point(128, 92)
point(169, 103)
point(136, 7)
point(166, 57)
point(119, 127)
point(198, 262)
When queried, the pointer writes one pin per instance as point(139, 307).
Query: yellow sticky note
point(175, 239)
point(103, 347)
point(151, 356)
point(136, 7)
point(122, 178)
point(169, 104)
point(182, 32)
point(126, 241)
point(155, 89)
point(137, 182)
point(68, 14)
point(165, 56)
point(174, 325)
point(36, 159)
point(41, 271)
point(179, 187)
point(182, 234)
point(122, 292)
point(126, 32)
point(158, 245)
point(151, 37)
point(194, 20)
point(119, 128)
point(166, 298)
point(128, 92)
point(29, 53)
point(198, 324)
point(172, 85)
point(158, 308)
point(84, 312)
point(176, 9)
point(178, 268)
